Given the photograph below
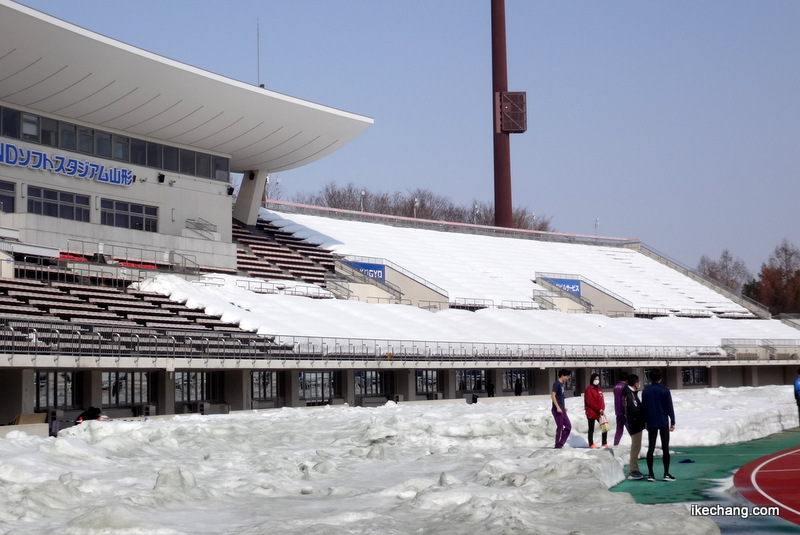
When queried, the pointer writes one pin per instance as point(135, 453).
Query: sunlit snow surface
point(447, 467)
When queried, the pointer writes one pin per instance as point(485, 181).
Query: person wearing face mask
point(595, 406)
point(635, 423)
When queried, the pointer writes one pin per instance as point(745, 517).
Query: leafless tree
point(420, 203)
point(728, 271)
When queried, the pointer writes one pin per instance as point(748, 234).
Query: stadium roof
point(55, 68)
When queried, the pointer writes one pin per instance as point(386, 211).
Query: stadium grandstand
point(132, 279)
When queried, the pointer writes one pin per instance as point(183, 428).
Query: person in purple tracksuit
point(559, 410)
point(619, 406)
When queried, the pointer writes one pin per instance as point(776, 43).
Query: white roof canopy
point(55, 68)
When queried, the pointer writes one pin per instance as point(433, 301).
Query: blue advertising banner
point(570, 286)
point(374, 271)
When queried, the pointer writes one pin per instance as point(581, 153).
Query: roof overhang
point(58, 69)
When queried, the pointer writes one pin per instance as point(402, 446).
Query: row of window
point(67, 136)
point(76, 207)
point(58, 390)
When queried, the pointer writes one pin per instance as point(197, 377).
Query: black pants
point(591, 432)
point(652, 433)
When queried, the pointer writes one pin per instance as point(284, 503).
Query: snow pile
point(407, 468)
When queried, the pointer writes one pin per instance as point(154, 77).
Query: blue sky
point(675, 122)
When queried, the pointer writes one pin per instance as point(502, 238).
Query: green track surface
point(695, 481)
point(710, 463)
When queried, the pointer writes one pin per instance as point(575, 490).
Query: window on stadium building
point(371, 383)
point(7, 197)
point(510, 378)
point(264, 385)
point(125, 389)
point(53, 133)
point(54, 390)
point(695, 376)
point(606, 376)
point(61, 204)
point(9, 123)
point(470, 380)
point(130, 215)
point(317, 388)
point(646, 379)
point(191, 387)
point(427, 381)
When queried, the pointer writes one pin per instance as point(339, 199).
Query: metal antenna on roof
point(258, 52)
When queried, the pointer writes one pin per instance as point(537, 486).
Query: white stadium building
point(131, 280)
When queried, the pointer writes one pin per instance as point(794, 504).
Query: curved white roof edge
point(56, 68)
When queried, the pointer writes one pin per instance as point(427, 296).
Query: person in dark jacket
point(660, 418)
point(92, 413)
point(595, 407)
point(518, 388)
point(634, 422)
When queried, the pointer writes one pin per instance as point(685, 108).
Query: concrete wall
point(602, 302)
point(178, 198)
point(413, 291)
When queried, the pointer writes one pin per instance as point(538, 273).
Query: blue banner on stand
point(374, 271)
point(571, 286)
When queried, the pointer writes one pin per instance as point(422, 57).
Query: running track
point(771, 481)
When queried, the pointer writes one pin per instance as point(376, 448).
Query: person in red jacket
point(595, 406)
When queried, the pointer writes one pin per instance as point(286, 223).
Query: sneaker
point(593, 446)
point(668, 477)
point(651, 477)
point(636, 476)
point(605, 445)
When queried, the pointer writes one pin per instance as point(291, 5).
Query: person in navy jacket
point(660, 419)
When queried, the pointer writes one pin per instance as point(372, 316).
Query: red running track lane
point(773, 480)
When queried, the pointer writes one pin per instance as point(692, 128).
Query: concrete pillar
point(405, 384)
point(249, 199)
point(17, 393)
point(348, 387)
point(290, 387)
point(91, 389)
point(713, 377)
point(542, 381)
point(673, 378)
point(580, 380)
point(448, 378)
point(164, 391)
point(237, 388)
point(495, 377)
point(750, 376)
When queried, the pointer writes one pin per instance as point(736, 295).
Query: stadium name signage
point(15, 156)
point(373, 271)
point(570, 286)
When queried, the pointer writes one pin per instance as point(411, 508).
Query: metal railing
point(29, 337)
point(753, 306)
point(587, 281)
point(388, 263)
point(202, 227)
